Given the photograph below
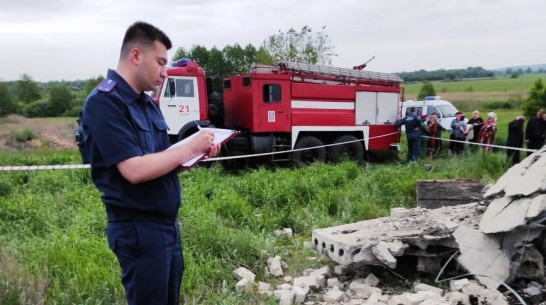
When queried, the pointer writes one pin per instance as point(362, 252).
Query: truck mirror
point(172, 87)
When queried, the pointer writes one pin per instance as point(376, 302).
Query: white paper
point(220, 136)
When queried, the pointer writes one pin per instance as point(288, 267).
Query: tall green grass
point(53, 247)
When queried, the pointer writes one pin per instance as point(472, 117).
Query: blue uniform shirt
point(121, 124)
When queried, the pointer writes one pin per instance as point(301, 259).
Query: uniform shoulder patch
point(107, 85)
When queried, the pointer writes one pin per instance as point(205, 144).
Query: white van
point(445, 110)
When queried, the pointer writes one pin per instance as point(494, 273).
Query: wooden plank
point(433, 194)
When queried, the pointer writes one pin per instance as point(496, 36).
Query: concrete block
point(274, 265)
point(399, 300)
point(244, 273)
point(286, 298)
point(342, 270)
point(425, 287)
point(287, 279)
point(396, 247)
point(333, 281)
point(383, 254)
point(300, 294)
point(288, 232)
point(457, 285)
point(332, 296)
point(362, 290)
point(491, 296)
point(264, 288)
point(371, 280)
point(456, 297)
point(285, 286)
point(243, 285)
point(322, 271)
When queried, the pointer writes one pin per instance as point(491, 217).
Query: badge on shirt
point(107, 85)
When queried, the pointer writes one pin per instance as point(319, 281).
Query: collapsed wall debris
point(499, 239)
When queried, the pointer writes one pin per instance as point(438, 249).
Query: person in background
point(412, 122)
point(534, 133)
point(488, 132)
point(425, 133)
point(474, 125)
point(515, 139)
point(452, 135)
point(131, 166)
point(79, 136)
point(433, 130)
point(460, 135)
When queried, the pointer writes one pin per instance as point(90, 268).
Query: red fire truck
point(288, 106)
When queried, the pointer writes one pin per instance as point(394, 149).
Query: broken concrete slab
point(531, 170)
point(354, 243)
point(482, 256)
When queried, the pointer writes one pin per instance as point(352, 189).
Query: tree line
point(446, 75)
point(65, 98)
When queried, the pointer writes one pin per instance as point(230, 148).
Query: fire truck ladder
point(342, 74)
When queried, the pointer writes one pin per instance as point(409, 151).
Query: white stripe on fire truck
point(323, 105)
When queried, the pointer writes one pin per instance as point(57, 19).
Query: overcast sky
point(80, 39)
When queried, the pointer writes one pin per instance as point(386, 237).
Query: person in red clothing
point(433, 129)
point(488, 131)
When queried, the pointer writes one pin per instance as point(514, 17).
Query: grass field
point(53, 248)
point(473, 94)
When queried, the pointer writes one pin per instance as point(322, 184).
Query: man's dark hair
point(145, 34)
point(412, 109)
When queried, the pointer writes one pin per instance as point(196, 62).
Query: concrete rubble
point(500, 239)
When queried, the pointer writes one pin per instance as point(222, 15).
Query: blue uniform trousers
point(150, 257)
point(414, 145)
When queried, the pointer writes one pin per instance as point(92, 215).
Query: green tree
point(426, 90)
point(536, 99)
point(181, 52)
point(91, 83)
point(27, 90)
point(234, 57)
point(263, 57)
point(7, 104)
point(60, 100)
point(301, 46)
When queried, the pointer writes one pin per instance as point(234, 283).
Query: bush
point(39, 108)
point(498, 105)
point(73, 112)
point(23, 135)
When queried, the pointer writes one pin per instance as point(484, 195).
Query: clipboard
point(221, 136)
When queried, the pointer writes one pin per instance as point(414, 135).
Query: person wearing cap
point(488, 131)
point(515, 139)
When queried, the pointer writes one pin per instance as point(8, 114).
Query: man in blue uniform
point(127, 142)
point(412, 122)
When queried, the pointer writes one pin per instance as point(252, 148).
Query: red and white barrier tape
point(484, 145)
point(42, 167)
point(78, 166)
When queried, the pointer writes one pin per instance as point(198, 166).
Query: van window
point(447, 110)
point(419, 110)
point(431, 110)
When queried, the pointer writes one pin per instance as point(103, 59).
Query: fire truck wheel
point(352, 151)
point(303, 157)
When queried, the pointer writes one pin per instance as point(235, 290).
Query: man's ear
point(135, 56)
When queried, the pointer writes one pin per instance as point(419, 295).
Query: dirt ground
point(52, 133)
